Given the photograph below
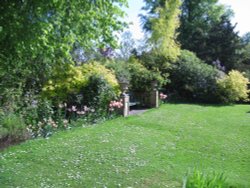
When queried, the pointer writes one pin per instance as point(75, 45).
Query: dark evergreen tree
point(206, 30)
point(197, 18)
point(244, 65)
point(223, 44)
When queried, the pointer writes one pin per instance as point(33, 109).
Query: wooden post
point(154, 99)
point(154, 95)
point(125, 99)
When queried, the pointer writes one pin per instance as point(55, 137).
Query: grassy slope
point(155, 149)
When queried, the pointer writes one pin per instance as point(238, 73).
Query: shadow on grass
point(5, 143)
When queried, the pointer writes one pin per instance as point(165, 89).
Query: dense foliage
point(161, 22)
point(64, 86)
point(193, 79)
point(39, 41)
point(233, 87)
point(206, 29)
point(163, 29)
point(141, 77)
point(12, 127)
point(38, 35)
point(196, 19)
point(223, 44)
point(120, 69)
point(244, 65)
point(139, 72)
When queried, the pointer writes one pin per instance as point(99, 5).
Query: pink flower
point(86, 108)
point(115, 104)
point(162, 96)
point(74, 108)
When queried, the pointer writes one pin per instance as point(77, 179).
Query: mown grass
point(155, 149)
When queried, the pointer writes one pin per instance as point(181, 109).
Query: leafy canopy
point(162, 21)
point(37, 35)
point(206, 29)
point(54, 27)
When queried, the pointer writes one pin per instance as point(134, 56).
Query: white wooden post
point(125, 99)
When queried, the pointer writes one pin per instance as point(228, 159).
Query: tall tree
point(244, 65)
point(35, 35)
point(223, 43)
point(197, 18)
point(206, 30)
point(150, 7)
point(161, 22)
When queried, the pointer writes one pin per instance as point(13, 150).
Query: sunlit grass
point(155, 149)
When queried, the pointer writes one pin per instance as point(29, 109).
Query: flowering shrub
point(217, 64)
point(46, 127)
point(162, 96)
point(74, 112)
point(86, 89)
point(97, 95)
point(115, 105)
point(62, 117)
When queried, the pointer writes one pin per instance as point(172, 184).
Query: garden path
point(137, 111)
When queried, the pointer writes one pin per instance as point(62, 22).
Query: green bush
point(12, 127)
point(121, 70)
point(36, 112)
point(98, 93)
point(200, 180)
point(11, 98)
point(233, 87)
point(193, 79)
point(156, 62)
point(244, 65)
point(68, 82)
point(90, 86)
point(141, 77)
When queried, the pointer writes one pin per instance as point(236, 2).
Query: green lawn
point(154, 149)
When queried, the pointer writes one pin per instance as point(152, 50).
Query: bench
point(133, 101)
